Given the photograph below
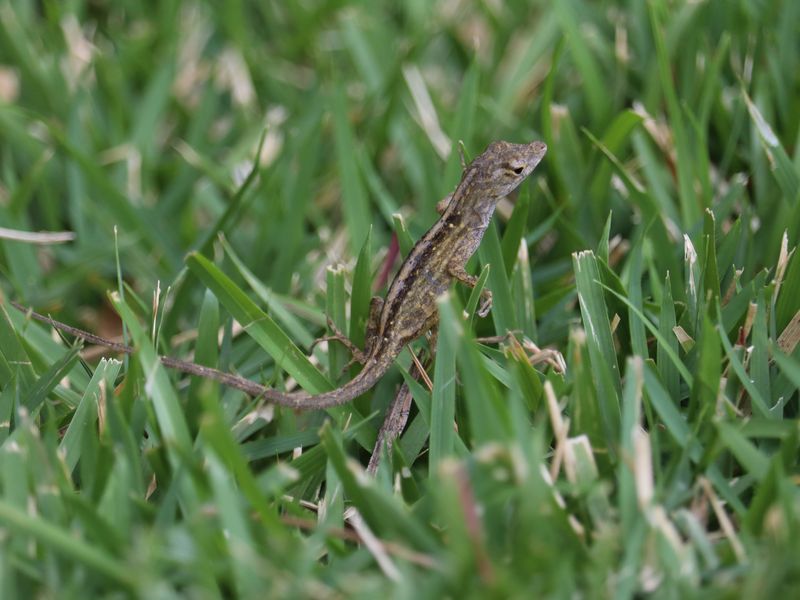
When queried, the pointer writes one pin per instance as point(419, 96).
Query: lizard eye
point(516, 169)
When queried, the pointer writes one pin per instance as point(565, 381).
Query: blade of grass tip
point(362, 292)
point(443, 396)
point(258, 325)
point(602, 245)
point(354, 197)
point(336, 310)
point(85, 416)
point(490, 252)
point(599, 340)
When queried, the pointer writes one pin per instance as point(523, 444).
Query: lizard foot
point(337, 336)
point(486, 303)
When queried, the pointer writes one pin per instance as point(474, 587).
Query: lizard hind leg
point(338, 336)
point(357, 355)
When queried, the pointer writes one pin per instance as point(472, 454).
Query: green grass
point(253, 166)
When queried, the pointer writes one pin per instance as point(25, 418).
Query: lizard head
point(503, 166)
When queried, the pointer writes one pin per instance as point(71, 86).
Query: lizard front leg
point(458, 272)
point(373, 321)
point(441, 206)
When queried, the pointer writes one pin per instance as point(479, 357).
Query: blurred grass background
point(652, 249)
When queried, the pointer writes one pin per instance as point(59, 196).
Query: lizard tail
point(361, 383)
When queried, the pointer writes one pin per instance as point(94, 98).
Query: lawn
point(212, 181)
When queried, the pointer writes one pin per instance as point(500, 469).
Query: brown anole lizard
point(409, 309)
point(440, 256)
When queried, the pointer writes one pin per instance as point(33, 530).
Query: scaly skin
point(440, 256)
